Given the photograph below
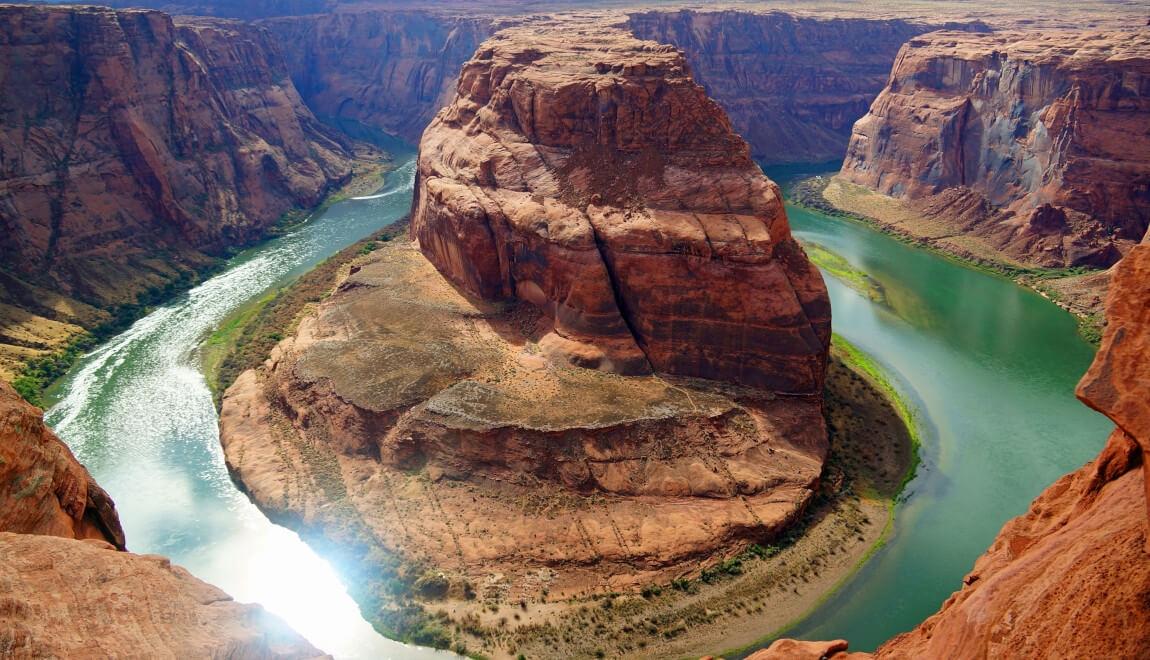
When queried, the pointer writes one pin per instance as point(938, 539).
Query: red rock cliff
point(1071, 577)
point(600, 183)
point(131, 146)
point(1039, 141)
point(793, 86)
point(60, 597)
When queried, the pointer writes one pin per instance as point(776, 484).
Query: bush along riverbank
point(1051, 283)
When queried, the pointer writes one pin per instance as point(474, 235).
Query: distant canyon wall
point(389, 70)
point(132, 147)
point(793, 86)
point(1039, 142)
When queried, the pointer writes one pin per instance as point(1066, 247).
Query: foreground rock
point(602, 185)
point(1071, 577)
point(63, 597)
point(132, 149)
point(1021, 147)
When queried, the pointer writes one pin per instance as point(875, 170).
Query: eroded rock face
point(43, 488)
point(132, 147)
point(65, 599)
point(1036, 141)
point(1070, 577)
point(793, 86)
point(65, 590)
point(600, 183)
point(389, 70)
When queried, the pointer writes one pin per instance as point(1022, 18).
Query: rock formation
point(792, 85)
point(600, 183)
point(132, 147)
point(63, 597)
point(1071, 577)
point(585, 205)
point(389, 70)
point(1035, 142)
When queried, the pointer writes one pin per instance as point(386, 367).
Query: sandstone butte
point(132, 149)
point(1070, 577)
point(595, 222)
point(67, 588)
point(1037, 144)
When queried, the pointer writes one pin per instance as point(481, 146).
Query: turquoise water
point(138, 413)
point(991, 368)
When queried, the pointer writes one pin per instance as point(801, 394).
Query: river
point(990, 366)
point(138, 413)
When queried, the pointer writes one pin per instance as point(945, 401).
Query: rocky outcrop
point(1036, 142)
point(388, 70)
point(601, 184)
point(132, 148)
point(792, 85)
point(66, 592)
point(1070, 577)
point(67, 599)
point(43, 488)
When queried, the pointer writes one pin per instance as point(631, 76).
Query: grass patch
point(842, 270)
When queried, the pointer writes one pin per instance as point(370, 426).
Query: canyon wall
point(605, 187)
point(389, 70)
point(1071, 576)
point(133, 148)
point(793, 86)
point(1037, 142)
point(66, 590)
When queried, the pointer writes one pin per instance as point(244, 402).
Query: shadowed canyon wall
point(1039, 142)
point(793, 86)
point(390, 70)
point(132, 148)
point(65, 590)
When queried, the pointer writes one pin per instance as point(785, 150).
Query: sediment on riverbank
point(1079, 291)
point(730, 597)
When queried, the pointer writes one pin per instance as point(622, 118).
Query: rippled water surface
point(138, 413)
point(991, 368)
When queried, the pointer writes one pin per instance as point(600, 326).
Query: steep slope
point(1035, 144)
point(388, 70)
point(132, 149)
point(63, 597)
point(792, 85)
point(1071, 577)
point(601, 184)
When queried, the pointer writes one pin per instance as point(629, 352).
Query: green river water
point(991, 368)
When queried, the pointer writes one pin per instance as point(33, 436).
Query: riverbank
point(33, 373)
point(1079, 291)
point(731, 596)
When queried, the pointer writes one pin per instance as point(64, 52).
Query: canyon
point(1019, 149)
point(68, 585)
point(599, 365)
point(134, 152)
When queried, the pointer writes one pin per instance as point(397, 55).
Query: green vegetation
point(842, 270)
point(38, 374)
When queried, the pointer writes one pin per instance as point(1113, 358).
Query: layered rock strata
point(576, 206)
point(792, 85)
point(601, 184)
point(132, 148)
point(1036, 143)
point(1071, 576)
point(65, 590)
point(388, 70)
